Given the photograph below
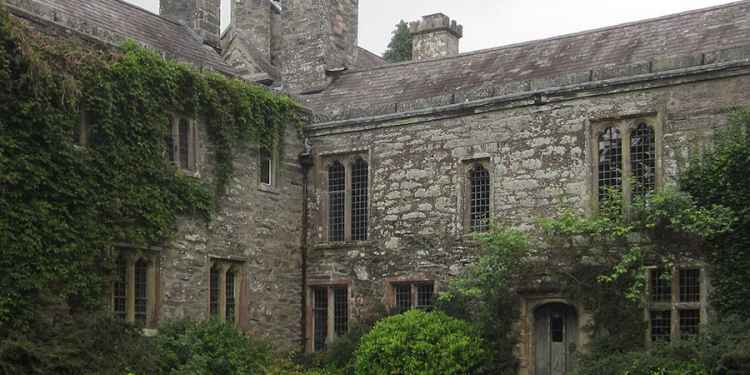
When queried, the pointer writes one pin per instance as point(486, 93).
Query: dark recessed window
point(320, 318)
point(661, 322)
point(340, 311)
point(266, 166)
point(610, 161)
point(690, 321)
point(120, 289)
point(661, 286)
point(690, 285)
point(336, 201)
point(643, 159)
point(479, 198)
point(359, 200)
point(184, 137)
point(141, 290)
point(230, 300)
point(402, 293)
point(214, 291)
point(556, 329)
point(425, 294)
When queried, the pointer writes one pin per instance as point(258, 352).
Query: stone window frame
point(626, 124)
point(131, 256)
point(674, 306)
point(275, 156)
point(467, 165)
point(414, 281)
point(226, 266)
point(174, 155)
point(82, 136)
point(347, 159)
point(330, 286)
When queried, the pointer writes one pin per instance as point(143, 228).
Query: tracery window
point(676, 303)
point(348, 199)
point(479, 198)
point(224, 290)
point(133, 288)
point(626, 155)
point(330, 310)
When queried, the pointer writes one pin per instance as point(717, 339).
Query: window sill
point(266, 188)
point(342, 245)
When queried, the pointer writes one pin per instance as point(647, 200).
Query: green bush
point(420, 343)
point(209, 347)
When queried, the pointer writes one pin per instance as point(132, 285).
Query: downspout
point(305, 160)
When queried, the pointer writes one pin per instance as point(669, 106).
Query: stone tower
point(253, 19)
point(202, 16)
point(319, 41)
point(435, 36)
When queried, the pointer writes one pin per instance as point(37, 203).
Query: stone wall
point(257, 226)
point(539, 156)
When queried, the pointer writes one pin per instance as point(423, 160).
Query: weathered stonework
point(202, 16)
point(435, 36)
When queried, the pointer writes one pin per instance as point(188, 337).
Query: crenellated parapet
point(435, 36)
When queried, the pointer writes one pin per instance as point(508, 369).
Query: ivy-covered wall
point(66, 209)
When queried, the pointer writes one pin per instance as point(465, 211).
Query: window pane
point(425, 294)
point(556, 328)
point(690, 286)
point(690, 320)
point(320, 318)
point(120, 289)
point(661, 322)
point(266, 160)
point(643, 159)
point(610, 161)
point(184, 130)
point(141, 290)
point(661, 286)
point(480, 199)
point(403, 297)
point(336, 197)
point(230, 297)
point(214, 292)
point(340, 311)
point(359, 200)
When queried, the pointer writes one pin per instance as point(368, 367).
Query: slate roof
point(515, 68)
point(114, 21)
point(367, 60)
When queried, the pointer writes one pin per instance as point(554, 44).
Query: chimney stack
point(202, 16)
point(435, 36)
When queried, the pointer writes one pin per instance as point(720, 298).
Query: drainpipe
point(306, 161)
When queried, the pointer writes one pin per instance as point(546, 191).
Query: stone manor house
point(376, 202)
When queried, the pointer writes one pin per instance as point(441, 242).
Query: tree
point(399, 49)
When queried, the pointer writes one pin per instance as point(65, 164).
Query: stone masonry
point(528, 113)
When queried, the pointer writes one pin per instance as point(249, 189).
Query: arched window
point(141, 290)
point(336, 201)
point(359, 200)
point(120, 287)
point(479, 180)
point(643, 159)
point(610, 161)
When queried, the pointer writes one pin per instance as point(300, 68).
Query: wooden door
point(555, 335)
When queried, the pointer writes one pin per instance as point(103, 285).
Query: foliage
point(400, 46)
point(719, 176)
point(484, 294)
point(209, 347)
point(420, 343)
point(65, 207)
point(721, 348)
point(72, 345)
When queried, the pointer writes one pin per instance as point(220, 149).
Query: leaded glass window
point(661, 286)
point(643, 159)
point(425, 295)
point(230, 298)
point(610, 161)
point(340, 311)
point(403, 297)
point(184, 139)
point(479, 198)
point(661, 323)
point(320, 318)
point(120, 297)
point(690, 285)
point(336, 201)
point(359, 200)
point(214, 291)
point(690, 321)
point(141, 290)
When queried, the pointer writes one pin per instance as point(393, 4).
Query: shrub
point(420, 343)
point(209, 347)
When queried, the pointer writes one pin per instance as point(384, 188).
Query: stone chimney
point(202, 16)
point(435, 36)
point(253, 17)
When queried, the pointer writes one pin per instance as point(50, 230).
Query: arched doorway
point(555, 339)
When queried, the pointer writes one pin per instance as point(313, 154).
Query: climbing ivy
point(64, 207)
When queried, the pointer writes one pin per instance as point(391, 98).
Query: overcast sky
point(492, 23)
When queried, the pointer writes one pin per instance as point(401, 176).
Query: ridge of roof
point(554, 38)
